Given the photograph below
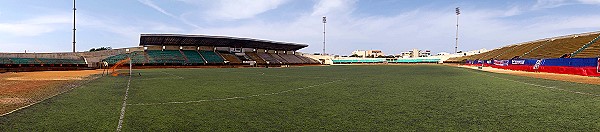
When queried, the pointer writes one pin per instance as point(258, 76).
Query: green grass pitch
point(327, 98)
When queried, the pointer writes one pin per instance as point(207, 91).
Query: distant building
point(415, 53)
point(473, 52)
point(443, 53)
point(364, 53)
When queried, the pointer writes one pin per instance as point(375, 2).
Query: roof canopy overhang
point(217, 41)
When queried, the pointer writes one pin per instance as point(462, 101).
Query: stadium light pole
point(457, 14)
point(324, 22)
point(74, 26)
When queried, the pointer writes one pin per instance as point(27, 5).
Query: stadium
point(192, 82)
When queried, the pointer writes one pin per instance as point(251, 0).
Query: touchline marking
point(548, 87)
point(122, 116)
point(241, 97)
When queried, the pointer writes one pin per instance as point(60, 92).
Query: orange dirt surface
point(544, 75)
point(50, 75)
point(23, 88)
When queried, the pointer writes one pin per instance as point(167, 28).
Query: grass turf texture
point(363, 98)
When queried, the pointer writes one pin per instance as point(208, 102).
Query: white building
point(364, 53)
point(414, 53)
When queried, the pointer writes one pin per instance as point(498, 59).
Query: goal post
point(120, 63)
point(130, 63)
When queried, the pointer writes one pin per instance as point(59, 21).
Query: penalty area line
point(238, 97)
point(172, 75)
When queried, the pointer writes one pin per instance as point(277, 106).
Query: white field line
point(537, 85)
point(172, 75)
point(72, 87)
point(263, 74)
point(162, 78)
point(239, 97)
point(122, 116)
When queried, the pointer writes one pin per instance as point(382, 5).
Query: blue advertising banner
point(517, 62)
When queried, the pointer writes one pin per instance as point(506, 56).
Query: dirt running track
point(544, 75)
point(23, 88)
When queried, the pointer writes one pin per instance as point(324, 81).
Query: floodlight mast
point(457, 14)
point(324, 22)
point(74, 26)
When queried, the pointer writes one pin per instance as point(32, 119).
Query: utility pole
point(324, 22)
point(74, 26)
point(457, 14)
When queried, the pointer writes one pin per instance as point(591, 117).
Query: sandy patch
point(51, 75)
point(13, 100)
point(34, 86)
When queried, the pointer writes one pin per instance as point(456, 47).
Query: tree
point(100, 49)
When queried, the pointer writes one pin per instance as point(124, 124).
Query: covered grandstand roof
point(219, 41)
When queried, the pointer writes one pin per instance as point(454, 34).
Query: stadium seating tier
point(231, 58)
point(558, 47)
point(193, 57)
point(255, 57)
point(211, 57)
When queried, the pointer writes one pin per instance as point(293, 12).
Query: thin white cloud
point(595, 2)
point(513, 11)
point(151, 4)
point(543, 4)
point(34, 26)
point(240, 9)
point(325, 7)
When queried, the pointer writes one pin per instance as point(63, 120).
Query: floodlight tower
point(457, 14)
point(324, 22)
point(74, 26)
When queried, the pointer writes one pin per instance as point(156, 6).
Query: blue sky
point(389, 25)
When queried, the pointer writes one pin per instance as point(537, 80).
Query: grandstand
point(168, 50)
point(42, 61)
point(576, 46)
point(571, 54)
point(178, 50)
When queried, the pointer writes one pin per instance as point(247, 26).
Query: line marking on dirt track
point(537, 85)
point(240, 97)
point(122, 116)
